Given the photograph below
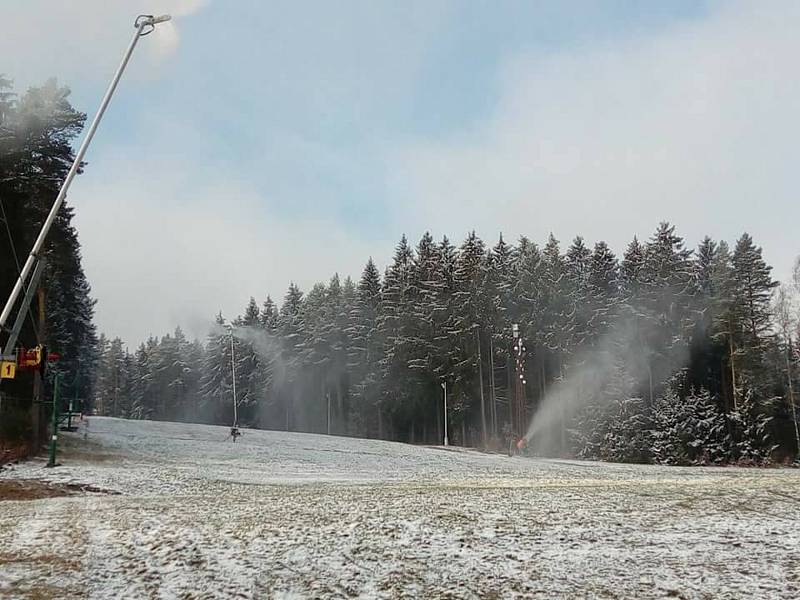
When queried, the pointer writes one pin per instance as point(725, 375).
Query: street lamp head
point(147, 23)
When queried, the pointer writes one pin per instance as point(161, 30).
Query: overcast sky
point(253, 143)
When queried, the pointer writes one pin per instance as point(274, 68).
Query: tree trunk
point(542, 378)
point(791, 395)
point(439, 423)
point(561, 404)
point(339, 406)
point(492, 390)
point(733, 371)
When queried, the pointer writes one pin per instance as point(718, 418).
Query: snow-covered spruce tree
point(666, 292)
point(101, 384)
point(143, 388)
point(128, 367)
point(604, 290)
point(498, 286)
point(249, 390)
point(578, 294)
point(112, 383)
point(292, 335)
point(556, 326)
point(616, 423)
point(364, 354)
point(216, 383)
point(425, 294)
point(753, 438)
point(394, 326)
point(724, 323)
point(604, 378)
point(268, 365)
point(753, 287)
point(469, 315)
point(707, 354)
point(118, 401)
point(339, 304)
point(627, 438)
point(342, 353)
point(688, 430)
point(175, 377)
point(444, 310)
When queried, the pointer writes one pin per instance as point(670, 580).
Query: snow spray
point(617, 365)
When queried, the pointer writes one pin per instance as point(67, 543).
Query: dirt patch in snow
point(32, 489)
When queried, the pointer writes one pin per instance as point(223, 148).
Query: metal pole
point(54, 423)
point(444, 387)
point(233, 374)
point(62, 193)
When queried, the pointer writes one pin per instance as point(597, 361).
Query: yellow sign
point(8, 369)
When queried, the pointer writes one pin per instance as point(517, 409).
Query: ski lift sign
point(8, 369)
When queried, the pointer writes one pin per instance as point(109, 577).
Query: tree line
point(666, 354)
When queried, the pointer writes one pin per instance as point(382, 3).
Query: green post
point(54, 433)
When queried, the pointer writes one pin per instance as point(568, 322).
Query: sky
point(251, 143)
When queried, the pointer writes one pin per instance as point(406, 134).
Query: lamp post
point(444, 387)
point(51, 462)
point(144, 24)
point(235, 427)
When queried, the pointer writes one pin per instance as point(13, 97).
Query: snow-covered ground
point(294, 516)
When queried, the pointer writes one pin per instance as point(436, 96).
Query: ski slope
point(285, 515)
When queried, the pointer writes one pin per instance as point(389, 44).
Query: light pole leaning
point(444, 387)
point(144, 24)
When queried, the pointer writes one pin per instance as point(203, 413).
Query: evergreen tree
point(394, 325)
point(217, 380)
point(467, 329)
point(249, 374)
point(365, 352)
point(291, 330)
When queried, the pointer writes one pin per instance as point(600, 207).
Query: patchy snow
point(287, 515)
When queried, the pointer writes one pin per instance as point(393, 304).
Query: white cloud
point(161, 253)
point(696, 125)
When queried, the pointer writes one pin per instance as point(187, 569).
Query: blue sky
point(311, 94)
point(252, 143)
